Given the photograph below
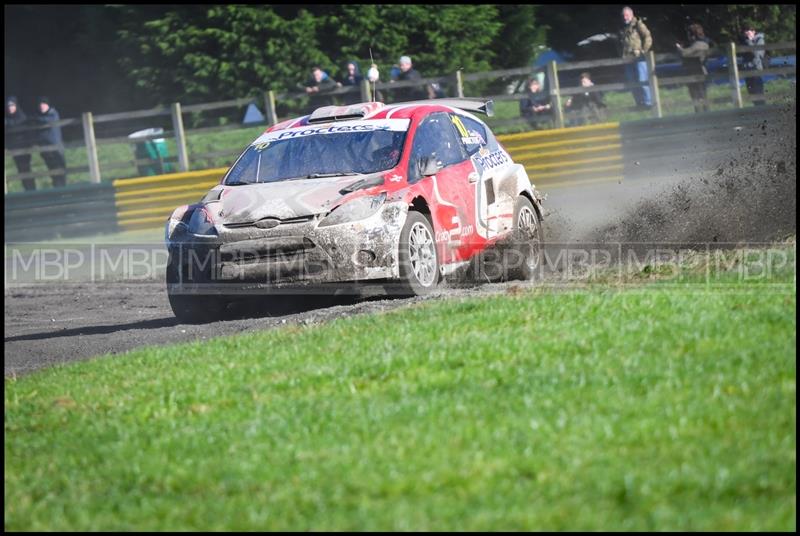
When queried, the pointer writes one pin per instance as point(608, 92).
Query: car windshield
point(345, 148)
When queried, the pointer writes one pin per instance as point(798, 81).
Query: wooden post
point(269, 106)
point(91, 147)
point(651, 68)
point(459, 85)
point(180, 137)
point(555, 94)
point(733, 73)
point(365, 93)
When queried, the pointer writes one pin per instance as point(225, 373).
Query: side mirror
point(429, 165)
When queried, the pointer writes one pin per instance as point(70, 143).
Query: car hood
point(284, 200)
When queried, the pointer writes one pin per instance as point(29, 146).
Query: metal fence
point(99, 148)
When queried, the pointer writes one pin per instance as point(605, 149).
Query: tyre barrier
point(573, 155)
point(147, 202)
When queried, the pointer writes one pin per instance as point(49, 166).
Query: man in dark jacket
point(589, 106)
point(694, 63)
point(754, 61)
point(535, 107)
point(635, 42)
point(409, 74)
point(317, 88)
point(50, 136)
point(352, 78)
point(16, 118)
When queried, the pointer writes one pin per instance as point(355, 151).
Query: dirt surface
point(740, 187)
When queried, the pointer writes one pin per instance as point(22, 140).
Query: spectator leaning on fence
point(536, 104)
point(53, 155)
point(588, 105)
point(409, 74)
point(15, 119)
point(316, 87)
point(754, 61)
point(694, 63)
point(635, 42)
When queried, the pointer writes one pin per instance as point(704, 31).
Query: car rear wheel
point(419, 261)
point(525, 258)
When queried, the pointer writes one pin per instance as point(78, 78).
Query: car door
point(450, 188)
point(495, 184)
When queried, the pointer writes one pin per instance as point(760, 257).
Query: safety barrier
point(148, 201)
point(75, 210)
point(577, 155)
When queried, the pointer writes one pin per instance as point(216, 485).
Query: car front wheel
point(419, 261)
point(192, 308)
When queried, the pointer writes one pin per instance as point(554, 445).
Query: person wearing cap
point(53, 154)
point(16, 118)
point(409, 74)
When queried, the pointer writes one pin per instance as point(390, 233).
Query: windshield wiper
point(324, 175)
point(319, 176)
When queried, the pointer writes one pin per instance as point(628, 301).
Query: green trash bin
point(154, 150)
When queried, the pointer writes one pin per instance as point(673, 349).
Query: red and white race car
point(401, 194)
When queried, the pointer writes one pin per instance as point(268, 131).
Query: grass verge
point(660, 407)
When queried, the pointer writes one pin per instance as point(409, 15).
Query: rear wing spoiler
point(471, 105)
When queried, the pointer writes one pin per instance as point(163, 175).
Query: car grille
point(242, 225)
point(259, 251)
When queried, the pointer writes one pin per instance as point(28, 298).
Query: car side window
point(435, 136)
point(472, 132)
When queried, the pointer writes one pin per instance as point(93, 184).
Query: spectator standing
point(635, 41)
point(694, 63)
point(536, 105)
point(409, 74)
point(53, 155)
point(352, 78)
point(16, 118)
point(754, 61)
point(588, 105)
point(317, 87)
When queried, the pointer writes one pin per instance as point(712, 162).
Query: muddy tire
point(193, 308)
point(525, 252)
point(419, 261)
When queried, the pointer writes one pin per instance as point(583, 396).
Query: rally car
point(402, 195)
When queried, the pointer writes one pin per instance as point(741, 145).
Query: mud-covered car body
point(323, 198)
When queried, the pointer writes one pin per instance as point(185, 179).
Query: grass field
point(653, 406)
point(675, 101)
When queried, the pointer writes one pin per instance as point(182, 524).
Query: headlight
point(200, 223)
point(178, 215)
point(357, 209)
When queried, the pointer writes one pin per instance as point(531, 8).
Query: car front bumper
point(292, 253)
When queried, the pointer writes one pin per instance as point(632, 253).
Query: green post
point(555, 94)
point(651, 68)
point(733, 74)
